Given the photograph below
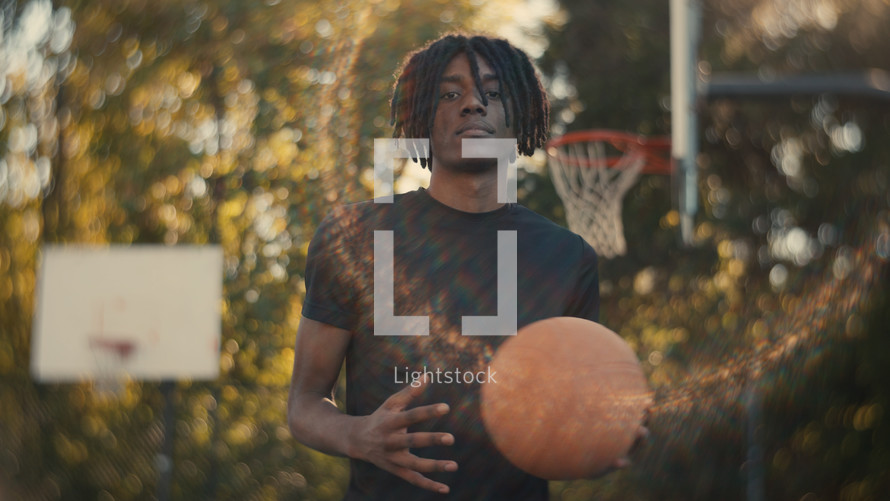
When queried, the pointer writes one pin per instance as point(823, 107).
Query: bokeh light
point(243, 124)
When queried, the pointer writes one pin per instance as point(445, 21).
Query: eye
point(447, 96)
point(492, 94)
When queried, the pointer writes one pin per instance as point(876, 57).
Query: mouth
point(475, 128)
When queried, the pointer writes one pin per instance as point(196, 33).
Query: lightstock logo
point(386, 323)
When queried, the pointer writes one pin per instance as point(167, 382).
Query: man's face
point(462, 114)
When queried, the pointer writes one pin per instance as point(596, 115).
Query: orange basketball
point(568, 400)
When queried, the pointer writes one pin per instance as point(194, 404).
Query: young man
point(412, 427)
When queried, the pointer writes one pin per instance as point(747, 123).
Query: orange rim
point(657, 149)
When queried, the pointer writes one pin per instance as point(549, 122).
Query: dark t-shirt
point(444, 268)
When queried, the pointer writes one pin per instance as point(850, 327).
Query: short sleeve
point(585, 300)
point(330, 298)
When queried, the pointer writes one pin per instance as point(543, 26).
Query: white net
point(592, 181)
point(110, 357)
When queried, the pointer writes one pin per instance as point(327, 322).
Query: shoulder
point(530, 220)
point(347, 213)
point(355, 218)
point(354, 213)
point(376, 205)
point(537, 228)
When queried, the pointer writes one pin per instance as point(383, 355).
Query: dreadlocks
point(414, 100)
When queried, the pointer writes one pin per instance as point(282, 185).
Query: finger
point(419, 439)
point(416, 415)
point(639, 440)
point(419, 480)
point(411, 462)
point(401, 399)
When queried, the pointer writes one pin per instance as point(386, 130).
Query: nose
point(473, 104)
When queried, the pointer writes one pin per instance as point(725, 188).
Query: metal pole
point(685, 23)
point(164, 460)
point(754, 466)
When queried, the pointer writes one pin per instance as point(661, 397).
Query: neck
point(466, 191)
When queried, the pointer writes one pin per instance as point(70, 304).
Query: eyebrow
point(488, 77)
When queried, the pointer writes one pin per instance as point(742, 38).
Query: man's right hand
point(382, 438)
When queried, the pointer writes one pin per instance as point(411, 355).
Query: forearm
point(315, 421)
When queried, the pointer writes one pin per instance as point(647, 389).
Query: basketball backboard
point(690, 89)
point(142, 312)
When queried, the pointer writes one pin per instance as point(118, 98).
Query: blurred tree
point(226, 122)
point(171, 123)
point(784, 289)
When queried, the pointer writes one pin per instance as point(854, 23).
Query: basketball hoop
point(111, 356)
point(593, 170)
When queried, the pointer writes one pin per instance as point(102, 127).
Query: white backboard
point(163, 302)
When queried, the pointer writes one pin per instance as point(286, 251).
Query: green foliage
point(239, 123)
point(171, 123)
point(784, 292)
